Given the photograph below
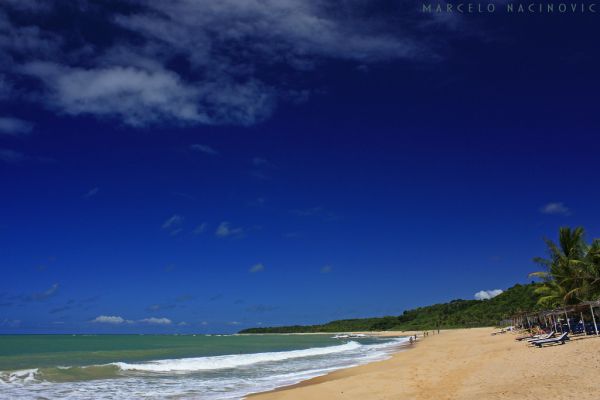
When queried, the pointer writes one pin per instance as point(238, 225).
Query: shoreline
point(333, 375)
point(465, 364)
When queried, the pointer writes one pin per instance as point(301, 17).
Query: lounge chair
point(542, 337)
point(561, 339)
point(518, 339)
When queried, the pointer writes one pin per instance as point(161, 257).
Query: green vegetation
point(572, 272)
point(571, 275)
point(455, 314)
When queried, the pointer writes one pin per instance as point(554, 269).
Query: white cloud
point(14, 126)
point(257, 268)
point(487, 294)
point(156, 321)
point(225, 45)
point(557, 208)
point(294, 31)
point(134, 95)
point(110, 319)
point(225, 230)
point(204, 149)
point(117, 320)
point(183, 323)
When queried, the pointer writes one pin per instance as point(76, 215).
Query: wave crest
point(232, 360)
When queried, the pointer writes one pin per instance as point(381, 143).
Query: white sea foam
point(208, 378)
point(233, 360)
point(24, 375)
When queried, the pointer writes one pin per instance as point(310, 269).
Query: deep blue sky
point(197, 168)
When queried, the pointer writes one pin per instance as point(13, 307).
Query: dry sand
point(466, 364)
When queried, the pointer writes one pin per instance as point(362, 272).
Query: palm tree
point(591, 270)
point(569, 271)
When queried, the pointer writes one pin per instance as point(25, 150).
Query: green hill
point(455, 314)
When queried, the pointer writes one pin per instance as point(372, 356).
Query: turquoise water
point(172, 366)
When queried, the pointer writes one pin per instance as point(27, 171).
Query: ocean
point(173, 366)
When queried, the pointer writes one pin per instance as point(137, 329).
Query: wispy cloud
point(258, 202)
point(262, 162)
point(91, 193)
point(200, 229)
point(170, 267)
point(557, 208)
point(185, 297)
point(21, 299)
point(226, 230)
point(256, 268)
point(10, 323)
point(487, 294)
point(60, 309)
point(72, 304)
point(45, 294)
point(137, 96)
point(202, 148)
point(326, 269)
point(215, 297)
point(131, 77)
point(261, 168)
point(12, 157)
point(292, 235)
point(14, 126)
point(173, 224)
point(9, 156)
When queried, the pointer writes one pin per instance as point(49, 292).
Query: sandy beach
point(464, 364)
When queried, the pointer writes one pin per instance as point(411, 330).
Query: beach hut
point(592, 305)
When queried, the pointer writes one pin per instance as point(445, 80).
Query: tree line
point(570, 275)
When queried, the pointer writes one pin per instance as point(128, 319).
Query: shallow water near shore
point(173, 366)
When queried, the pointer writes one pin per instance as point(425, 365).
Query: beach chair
point(520, 338)
point(542, 337)
point(561, 339)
